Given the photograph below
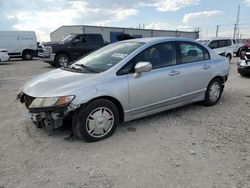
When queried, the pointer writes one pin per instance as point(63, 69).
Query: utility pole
point(217, 30)
point(236, 25)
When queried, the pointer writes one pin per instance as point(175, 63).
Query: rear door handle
point(173, 73)
point(205, 67)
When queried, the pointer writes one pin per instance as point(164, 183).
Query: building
point(110, 33)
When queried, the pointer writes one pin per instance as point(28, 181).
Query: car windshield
point(106, 57)
point(204, 42)
point(68, 38)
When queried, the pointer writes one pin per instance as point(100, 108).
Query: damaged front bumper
point(47, 117)
point(244, 67)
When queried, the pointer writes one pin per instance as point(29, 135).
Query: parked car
point(124, 81)
point(4, 57)
point(19, 43)
point(244, 62)
point(244, 48)
point(220, 45)
point(69, 49)
point(237, 45)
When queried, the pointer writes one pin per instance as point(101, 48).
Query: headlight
point(242, 63)
point(51, 101)
point(48, 49)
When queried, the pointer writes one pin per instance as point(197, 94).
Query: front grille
point(40, 49)
point(27, 100)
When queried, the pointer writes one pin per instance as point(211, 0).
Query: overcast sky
point(44, 16)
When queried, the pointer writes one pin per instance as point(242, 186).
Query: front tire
point(213, 93)
point(96, 121)
point(62, 60)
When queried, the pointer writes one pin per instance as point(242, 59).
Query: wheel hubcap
point(214, 91)
point(63, 61)
point(99, 122)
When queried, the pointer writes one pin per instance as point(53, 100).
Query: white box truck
point(19, 43)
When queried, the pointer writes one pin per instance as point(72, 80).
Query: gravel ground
point(192, 146)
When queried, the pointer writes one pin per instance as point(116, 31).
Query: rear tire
point(62, 60)
point(96, 121)
point(27, 55)
point(213, 93)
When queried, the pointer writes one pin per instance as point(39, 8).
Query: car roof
point(214, 38)
point(158, 39)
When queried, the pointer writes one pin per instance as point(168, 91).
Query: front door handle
point(173, 73)
point(205, 67)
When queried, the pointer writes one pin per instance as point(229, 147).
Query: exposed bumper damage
point(49, 117)
point(244, 67)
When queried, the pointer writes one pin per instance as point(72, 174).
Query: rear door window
point(224, 43)
point(96, 39)
point(191, 52)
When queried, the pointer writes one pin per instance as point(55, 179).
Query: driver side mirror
point(141, 67)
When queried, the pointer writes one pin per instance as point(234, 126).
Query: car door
point(94, 42)
point(229, 47)
point(78, 47)
point(195, 68)
point(159, 87)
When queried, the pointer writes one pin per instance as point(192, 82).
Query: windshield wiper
point(88, 68)
point(70, 68)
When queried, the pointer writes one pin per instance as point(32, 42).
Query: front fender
point(117, 89)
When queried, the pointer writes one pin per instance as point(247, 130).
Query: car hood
point(58, 83)
point(50, 43)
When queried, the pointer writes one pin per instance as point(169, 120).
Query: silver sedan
point(125, 81)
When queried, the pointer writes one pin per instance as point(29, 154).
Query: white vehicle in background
point(221, 45)
point(19, 43)
point(4, 57)
point(238, 43)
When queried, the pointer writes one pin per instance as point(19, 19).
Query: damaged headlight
point(242, 63)
point(42, 102)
